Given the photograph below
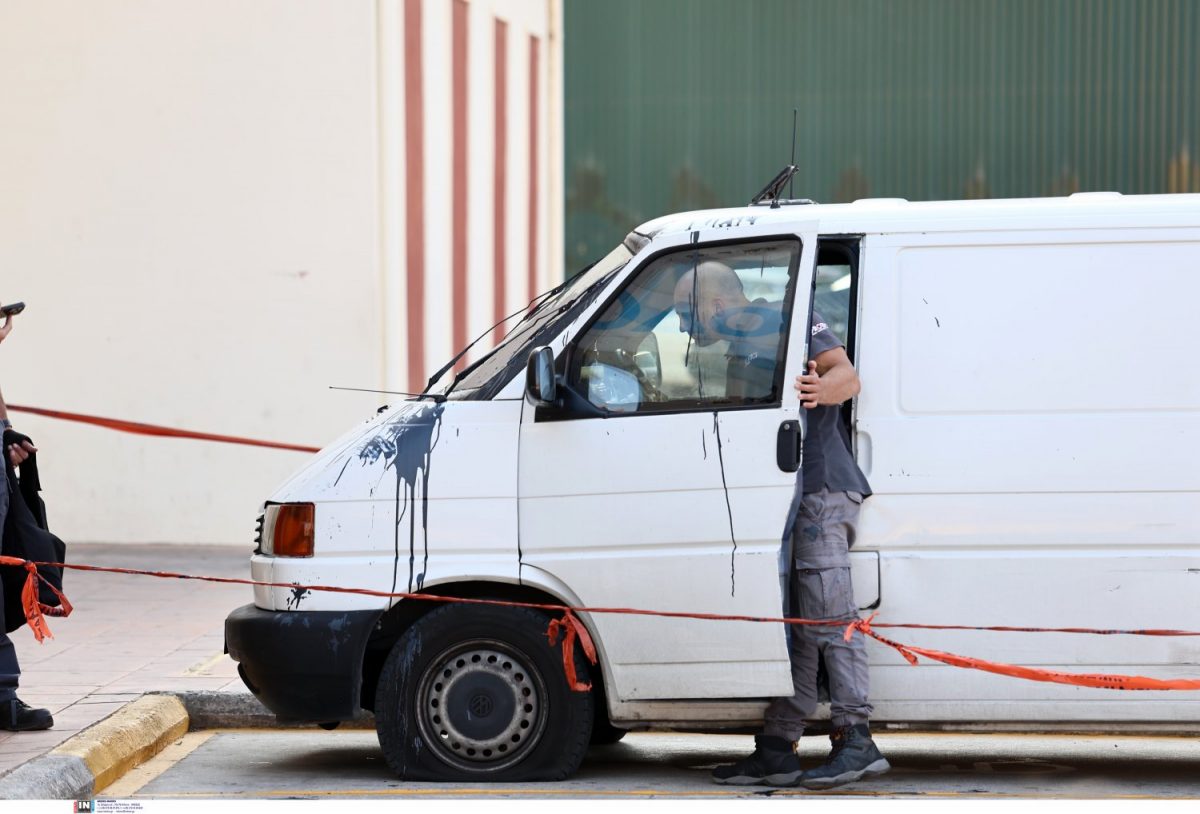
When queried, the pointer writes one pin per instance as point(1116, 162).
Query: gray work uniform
point(824, 527)
point(10, 670)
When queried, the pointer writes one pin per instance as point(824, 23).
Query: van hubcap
point(481, 706)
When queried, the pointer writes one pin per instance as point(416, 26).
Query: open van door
point(661, 475)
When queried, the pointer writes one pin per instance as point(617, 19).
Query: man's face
point(695, 311)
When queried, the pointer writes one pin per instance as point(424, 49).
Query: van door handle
point(788, 446)
point(864, 452)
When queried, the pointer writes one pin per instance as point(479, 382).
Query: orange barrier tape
point(1089, 630)
point(35, 610)
point(575, 630)
point(153, 429)
point(1100, 680)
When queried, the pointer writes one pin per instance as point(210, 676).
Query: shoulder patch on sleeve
point(820, 326)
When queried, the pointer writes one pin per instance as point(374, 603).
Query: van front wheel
point(476, 693)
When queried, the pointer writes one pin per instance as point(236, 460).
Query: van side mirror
point(540, 386)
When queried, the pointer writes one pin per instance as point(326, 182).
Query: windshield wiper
point(462, 374)
point(532, 308)
point(512, 338)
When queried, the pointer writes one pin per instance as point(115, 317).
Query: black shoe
point(773, 762)
point(17, 716)
point(854, 757)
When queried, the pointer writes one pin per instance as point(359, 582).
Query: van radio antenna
point(774, 188)
point(792, 180)
point(435, 396)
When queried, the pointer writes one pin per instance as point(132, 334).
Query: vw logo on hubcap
point(481, 706)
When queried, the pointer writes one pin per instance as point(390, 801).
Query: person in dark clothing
point(823, 529)
point(712, 306)
point(15, 714)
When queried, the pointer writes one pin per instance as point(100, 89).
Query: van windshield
point(547, 316)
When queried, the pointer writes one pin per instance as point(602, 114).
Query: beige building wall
point(203, 205)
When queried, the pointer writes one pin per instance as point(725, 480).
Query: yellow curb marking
point(136, 778)
point(204, 668)
point(131, 735)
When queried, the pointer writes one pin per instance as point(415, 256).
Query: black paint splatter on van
point(406, 445)
point(728, 506)
point(298, 593)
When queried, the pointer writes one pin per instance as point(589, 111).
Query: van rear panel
point(1030, 423)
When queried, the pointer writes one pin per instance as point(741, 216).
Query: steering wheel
point(626, 361)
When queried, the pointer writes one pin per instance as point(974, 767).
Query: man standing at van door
point(822, 534)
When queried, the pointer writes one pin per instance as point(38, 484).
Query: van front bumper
point(302, 665)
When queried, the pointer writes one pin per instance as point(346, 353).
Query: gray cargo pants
point(820, 589)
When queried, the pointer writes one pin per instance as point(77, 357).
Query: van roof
point(872, 215)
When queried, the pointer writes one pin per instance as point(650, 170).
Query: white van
point(1029, 422)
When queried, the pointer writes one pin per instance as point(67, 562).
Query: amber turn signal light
point(294, 530)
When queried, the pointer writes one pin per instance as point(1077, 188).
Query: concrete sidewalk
point(128, 635)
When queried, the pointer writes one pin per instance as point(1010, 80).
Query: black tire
point(459, 666)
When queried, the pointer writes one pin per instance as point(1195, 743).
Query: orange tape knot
point(861, 625)
point(35, 611)
point(864, 626)
point(572, 629)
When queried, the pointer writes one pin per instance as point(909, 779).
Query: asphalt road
point(347, 764)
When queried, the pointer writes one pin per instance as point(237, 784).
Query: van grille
point(258, 531)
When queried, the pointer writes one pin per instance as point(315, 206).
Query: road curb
point(241, 710)
point(49, 777)
point(97, 756)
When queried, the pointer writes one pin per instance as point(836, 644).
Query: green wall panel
point(678, 104)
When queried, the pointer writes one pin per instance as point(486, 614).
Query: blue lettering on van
point(722, 223)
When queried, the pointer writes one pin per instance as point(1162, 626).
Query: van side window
point(835, 283)
point(834, 298)
point(700, 328)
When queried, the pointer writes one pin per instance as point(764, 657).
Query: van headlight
point(288, 530)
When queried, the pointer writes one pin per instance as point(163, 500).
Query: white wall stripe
point(480, 146)
point(544, 165)
point(555, 143)
point(438, 169)
point(390, 38)
point(525, 16)
point(516, 286)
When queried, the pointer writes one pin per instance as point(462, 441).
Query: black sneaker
point(853, 757)
point(17, 716)
point(773, 763)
